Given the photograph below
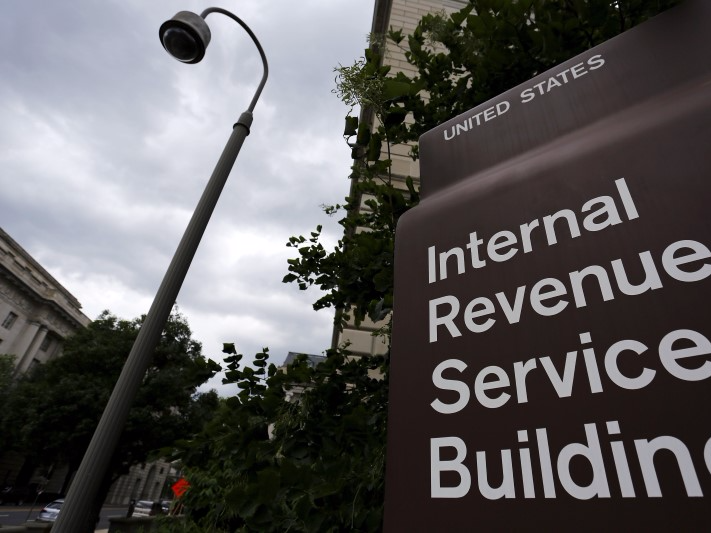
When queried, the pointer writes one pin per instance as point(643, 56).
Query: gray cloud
point(106, 143)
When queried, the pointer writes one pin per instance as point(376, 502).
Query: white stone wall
point(147, 481)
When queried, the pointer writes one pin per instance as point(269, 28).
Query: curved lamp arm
point(239, 21)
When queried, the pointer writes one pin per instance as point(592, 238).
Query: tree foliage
point(461, 60)
point(357, 276)
point(6, 370)
point(491, 46)
point(50, 413)
point(265, 464)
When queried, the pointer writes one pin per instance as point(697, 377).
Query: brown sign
point(551, 359)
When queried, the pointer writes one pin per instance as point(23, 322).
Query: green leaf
point(374, 147)
point(229, 347)
point(363, 135)
point(395, 117)
point(268, 483)
point(393, 90)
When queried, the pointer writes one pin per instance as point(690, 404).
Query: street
point(17, 515)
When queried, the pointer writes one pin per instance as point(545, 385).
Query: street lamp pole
point(186, 37)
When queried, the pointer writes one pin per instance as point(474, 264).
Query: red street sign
point(551, 352)
point(180, 486)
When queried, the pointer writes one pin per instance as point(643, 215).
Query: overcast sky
point(106, 143)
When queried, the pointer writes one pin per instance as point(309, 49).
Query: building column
point(26, 345)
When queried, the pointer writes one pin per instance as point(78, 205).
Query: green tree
point(491, 46)
point(6, 370)
point(461, 60)
point(265, 464)
point(51, 413)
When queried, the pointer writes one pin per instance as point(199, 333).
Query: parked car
point(50, 512)
point(147, 508)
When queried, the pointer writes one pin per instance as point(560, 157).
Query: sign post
point(551, 356)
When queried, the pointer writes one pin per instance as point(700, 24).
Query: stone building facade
point(36, 311)
point(146, 481)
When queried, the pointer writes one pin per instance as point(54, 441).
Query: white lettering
point(450, 384)
point(437, 466)
point(645, 452)
point(562, 385)
point(447, 320)
point(669, 356)
point(506, 489)
point(486, 308)
point(538, 296)
point(481, 386)
point(498, 241)
point(593, 454)
point(671, 262)
point(613, 371)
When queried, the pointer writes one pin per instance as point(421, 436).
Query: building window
point(45, 343)
point(9, 320)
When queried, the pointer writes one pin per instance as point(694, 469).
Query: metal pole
point(77, 512)
point(76, 515)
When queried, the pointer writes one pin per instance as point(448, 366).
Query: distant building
point(399, 15)
point(311, 359)
point(147, 481)
point(36, 311)
point(36, 314)
point(295, 390)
